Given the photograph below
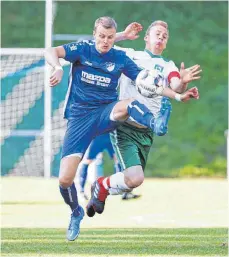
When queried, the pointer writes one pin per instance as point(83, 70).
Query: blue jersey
point(93, 78)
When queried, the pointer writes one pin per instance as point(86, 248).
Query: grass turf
point(115, 242)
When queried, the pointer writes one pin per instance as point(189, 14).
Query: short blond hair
point(106, 21)
point(155, 23)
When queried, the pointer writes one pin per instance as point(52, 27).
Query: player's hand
point(190, 93)
point(56, 76)
point(132, 30)
point(189, 74)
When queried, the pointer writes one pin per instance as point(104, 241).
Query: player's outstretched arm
point(52, 55)
point(189, 94)
point(184, 97)
point(131, 32)
point(146, 86)
point(188, 75)
point(151, 83)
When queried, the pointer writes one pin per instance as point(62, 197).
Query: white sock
point(117, 182)
point(117, 191)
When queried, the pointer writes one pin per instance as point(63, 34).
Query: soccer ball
point(150, 83)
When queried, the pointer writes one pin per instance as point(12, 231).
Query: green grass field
point(174, 217)
point(116, 242)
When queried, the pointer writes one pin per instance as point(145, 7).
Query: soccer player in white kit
point(131, 140)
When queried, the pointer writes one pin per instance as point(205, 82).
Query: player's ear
point(93, 33)
point(146, 38)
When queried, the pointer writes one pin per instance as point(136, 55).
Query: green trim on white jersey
point(156, 56)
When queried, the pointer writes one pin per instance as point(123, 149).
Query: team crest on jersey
point(159, 67)
point(73, 47)
point(110, 66)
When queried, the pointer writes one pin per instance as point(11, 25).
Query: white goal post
point(48, 96)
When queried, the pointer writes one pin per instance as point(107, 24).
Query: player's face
point(104, 38)
point(157, 38)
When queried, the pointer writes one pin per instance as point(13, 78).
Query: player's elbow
point(48, 50)
point(57, 52)
point(179, 90)
point(48, 53)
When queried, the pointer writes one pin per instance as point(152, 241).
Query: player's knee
point(65, 181)
point(134, 180)
point(120, 110)
point(68, 168)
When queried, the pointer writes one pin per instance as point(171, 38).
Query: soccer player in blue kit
point(91, 106)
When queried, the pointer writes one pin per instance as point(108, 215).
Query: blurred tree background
point(196, 142)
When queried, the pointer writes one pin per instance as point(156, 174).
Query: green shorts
point(131, 145)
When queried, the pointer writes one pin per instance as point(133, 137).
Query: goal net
point(23, 113)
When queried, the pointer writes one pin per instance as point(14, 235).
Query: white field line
point(84, 255)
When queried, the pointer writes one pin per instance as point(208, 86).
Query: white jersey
point(146, 60)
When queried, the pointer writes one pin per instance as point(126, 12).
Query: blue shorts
point(99, 144)
point(85, 126)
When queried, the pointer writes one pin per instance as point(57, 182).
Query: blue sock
point(141, 114)
point(99, 169)
point(83, 176)
point(70, 197)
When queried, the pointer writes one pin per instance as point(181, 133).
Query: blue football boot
point(161, 122)
point(74, 225)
